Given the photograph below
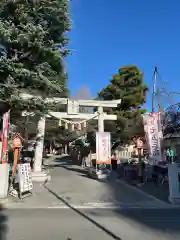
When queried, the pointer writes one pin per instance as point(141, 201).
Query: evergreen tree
point(128, 85)
point(32, 48)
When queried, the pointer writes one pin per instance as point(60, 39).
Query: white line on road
point(84, 207)
point(104, 207)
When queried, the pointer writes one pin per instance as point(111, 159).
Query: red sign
point(4, 137)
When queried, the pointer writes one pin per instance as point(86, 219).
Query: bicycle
point(161, 179)
point(102, 166)
point(131, 174)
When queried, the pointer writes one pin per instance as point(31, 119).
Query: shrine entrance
point(76, 119)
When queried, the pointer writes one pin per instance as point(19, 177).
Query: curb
point(4, 201)
point(85, 207)
point(161, 202)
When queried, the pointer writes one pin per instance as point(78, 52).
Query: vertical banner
point(103, 148)
point(4, 155)
point(153, 132)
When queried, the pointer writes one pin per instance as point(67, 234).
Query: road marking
point(84, 207)
point(105, 207)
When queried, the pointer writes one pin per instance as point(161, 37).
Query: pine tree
point(128, 85)
point(32, 50)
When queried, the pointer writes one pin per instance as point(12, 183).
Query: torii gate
point(72, 113)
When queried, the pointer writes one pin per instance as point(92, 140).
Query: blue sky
point(109, 34)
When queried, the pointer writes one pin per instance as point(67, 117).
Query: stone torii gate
point(72, 113)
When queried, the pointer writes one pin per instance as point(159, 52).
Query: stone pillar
point(100, 120)
point(39, 145)
point(38, 175)
point(65, 149)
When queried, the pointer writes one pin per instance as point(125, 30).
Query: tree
point(32, 48)
point(128, 85)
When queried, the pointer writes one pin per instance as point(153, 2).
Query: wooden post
point(16, 145)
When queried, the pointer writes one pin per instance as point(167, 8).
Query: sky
point(108, 34)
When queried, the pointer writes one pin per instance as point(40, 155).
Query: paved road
point(161, 192)
point(71, 185)
point(94, 224)
point(138, 216)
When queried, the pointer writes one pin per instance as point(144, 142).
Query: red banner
point(5, 138)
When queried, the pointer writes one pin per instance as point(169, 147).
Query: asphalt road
point(63, 224)
point(161, 192)
point(69, 187)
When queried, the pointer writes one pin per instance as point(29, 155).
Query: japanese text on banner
point(153, 133)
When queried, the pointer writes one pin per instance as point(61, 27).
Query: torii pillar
point(38, 175)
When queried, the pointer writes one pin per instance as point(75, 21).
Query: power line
point(160, 95)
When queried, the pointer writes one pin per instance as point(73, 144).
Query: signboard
point(153, 135)
point(103, 148)
point(72, 107)
point(25, 178)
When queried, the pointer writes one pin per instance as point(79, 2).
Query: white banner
point(153, 131)
point(103, 147)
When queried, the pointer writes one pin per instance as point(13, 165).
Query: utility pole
point(154, 89)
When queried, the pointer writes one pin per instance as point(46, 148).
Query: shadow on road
point(58, 162)
point(85, 175)
point(65, 159)
point(78, 170)
point(111, 234)
point(3, 223)
point(161, 192)
point(165, 220)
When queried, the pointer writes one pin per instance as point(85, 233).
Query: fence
point(123, 154)
point(120, 154)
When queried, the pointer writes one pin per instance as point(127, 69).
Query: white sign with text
point(103, 147)
point(25, 177)
point(153, 133)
